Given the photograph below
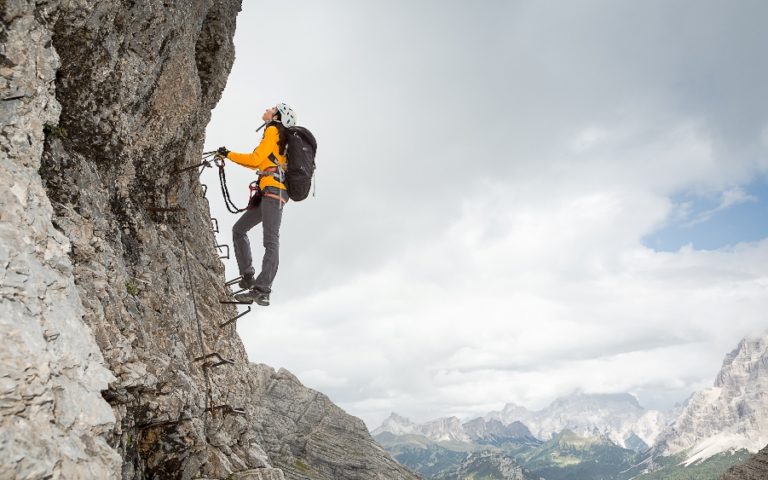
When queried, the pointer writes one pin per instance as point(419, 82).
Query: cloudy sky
point(516, 200)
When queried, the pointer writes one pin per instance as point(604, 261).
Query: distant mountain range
point(617, 417)
point(601, 436)
point(451, 429)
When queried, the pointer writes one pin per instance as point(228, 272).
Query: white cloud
point(485, 179)
point(561, 297)
point(588, 138)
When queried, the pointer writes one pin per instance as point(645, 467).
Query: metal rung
point(233, 281)
point(234, 318)
point(234, 302)
point(216, 222)
point(221, 360)
point(205, 189)
point(219, 247)
point(228, 409)
point(204, 163)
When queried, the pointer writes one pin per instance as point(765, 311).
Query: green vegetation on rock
point(568, 456)
point(132, 287)
point(710, 469)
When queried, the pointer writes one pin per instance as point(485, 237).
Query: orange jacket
point(260, 157)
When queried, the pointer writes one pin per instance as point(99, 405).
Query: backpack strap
point(278, 172)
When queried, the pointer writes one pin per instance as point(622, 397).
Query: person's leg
point(272, 212)
point(247, 221)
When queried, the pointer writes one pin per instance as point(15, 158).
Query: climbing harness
point(276, 172)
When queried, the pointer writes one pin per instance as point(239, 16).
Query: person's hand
point(223, 151)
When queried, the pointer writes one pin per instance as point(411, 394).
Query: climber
point(265, 206)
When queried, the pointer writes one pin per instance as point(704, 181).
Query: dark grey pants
point(268, 212)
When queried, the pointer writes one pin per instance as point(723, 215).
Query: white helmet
point(287, 115)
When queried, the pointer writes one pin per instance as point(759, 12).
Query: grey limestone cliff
point(309, 437)
point(52, 416)
point(729, 415)
point(110, 298)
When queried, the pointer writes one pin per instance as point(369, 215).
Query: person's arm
point(260, 154)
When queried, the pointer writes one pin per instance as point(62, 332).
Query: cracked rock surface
point(309, 437)
point(52, 416)
point(110, 313)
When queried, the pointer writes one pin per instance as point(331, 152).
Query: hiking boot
point(248, 281)
point(262, 298)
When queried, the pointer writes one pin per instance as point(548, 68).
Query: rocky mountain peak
point(746, 363)
point(397, 425)
point(733, 414)
point(511, 411)
point(444, 429)
point(493, 431)
point(395, 418)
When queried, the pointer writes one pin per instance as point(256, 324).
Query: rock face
point(309, 437)
point(121, 363)
point(52, 416)
point(733, 414)
point(756, 468)
point(136, 85)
